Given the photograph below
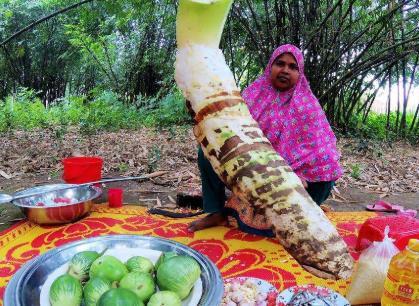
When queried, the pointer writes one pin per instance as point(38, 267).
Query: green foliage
point(375, 127)
point(355, 171)
point(122, 167)
point(55, 174)
point(171, 111)
point(107, 65)
point(105, 112)
point(22, 111)
point(153, 158)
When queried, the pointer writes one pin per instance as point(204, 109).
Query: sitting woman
point(290, 116)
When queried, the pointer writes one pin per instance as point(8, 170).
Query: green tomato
point(178, 274)
point(94, 289)
point(65, 291)
point(80, 264)
point(140, 264)
point(164, 298)
point(108, 267)
point(142, 284)
point(164, 256)
point(119, 297)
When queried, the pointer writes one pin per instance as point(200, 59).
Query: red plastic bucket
point(82, 169)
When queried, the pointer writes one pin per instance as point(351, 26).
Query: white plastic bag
point(370, 272)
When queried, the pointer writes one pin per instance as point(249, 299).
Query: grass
point(106, 112)
point(375, 127)
point(355, 171)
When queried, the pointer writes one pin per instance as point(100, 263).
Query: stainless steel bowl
point(25, 286)
point(45, 209)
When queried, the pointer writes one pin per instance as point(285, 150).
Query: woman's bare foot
point(326, 208)
point(210, 220)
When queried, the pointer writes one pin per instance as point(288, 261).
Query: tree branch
point(320, 26)
point(35, 23)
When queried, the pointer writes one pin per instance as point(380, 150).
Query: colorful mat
point(235, 253)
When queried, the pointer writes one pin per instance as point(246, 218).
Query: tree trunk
point(388, 104)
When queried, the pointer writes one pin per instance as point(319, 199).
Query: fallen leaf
point(171, 199)
point(5, 175)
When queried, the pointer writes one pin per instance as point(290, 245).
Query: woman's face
point(284, 72)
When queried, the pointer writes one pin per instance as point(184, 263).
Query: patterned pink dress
point(297, 128)
point(295, 123)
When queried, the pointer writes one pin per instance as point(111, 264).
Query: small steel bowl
point(57, 206)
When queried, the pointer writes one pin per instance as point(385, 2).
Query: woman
point(290, 116)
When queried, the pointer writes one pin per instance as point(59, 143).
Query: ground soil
point(373, 171)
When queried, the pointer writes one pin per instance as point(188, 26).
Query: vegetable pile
point(246, 293)
point(94, 279)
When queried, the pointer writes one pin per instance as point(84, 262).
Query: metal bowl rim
point(216, 289)
point(97, 193)
point(46, 188)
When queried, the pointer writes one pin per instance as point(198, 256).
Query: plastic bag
point(371, 270)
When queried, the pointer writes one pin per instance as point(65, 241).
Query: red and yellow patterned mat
point(235, 253)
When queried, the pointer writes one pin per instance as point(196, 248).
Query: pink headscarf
point(295, 123)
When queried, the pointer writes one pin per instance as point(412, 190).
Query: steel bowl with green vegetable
point(200, 281)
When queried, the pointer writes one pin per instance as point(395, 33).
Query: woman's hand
point(304, 182)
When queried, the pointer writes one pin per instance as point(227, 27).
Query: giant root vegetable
point(239, 152)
